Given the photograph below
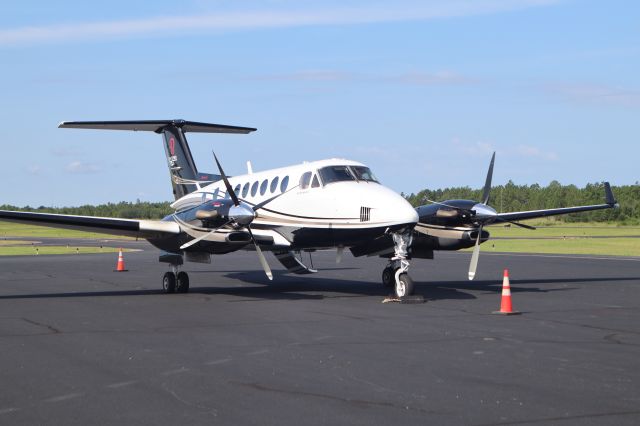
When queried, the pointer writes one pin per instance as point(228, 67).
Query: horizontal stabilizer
point(156, 126)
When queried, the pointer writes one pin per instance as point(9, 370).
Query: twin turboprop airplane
point(332, 203)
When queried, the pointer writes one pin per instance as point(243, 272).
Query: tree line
point(504, 198)
point(512, 197)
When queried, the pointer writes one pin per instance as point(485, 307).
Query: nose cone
point(242, 214)
point(390, 208)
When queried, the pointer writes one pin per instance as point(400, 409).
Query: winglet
point(610, 199)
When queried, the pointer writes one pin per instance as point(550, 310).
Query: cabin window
point(305, 179)
point(245, 190)
point(263, 186)
point(237, 189)
point(331, 174)
point(254, 189)
point(315, 183)
point(284, 184)
point(274, 184)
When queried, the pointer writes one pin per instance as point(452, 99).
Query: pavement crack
point(354, 402)
point(554, 420)
point(178, 398)
point(39, 324)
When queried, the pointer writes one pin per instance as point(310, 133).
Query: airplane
point(334, 203)
point(459, 224)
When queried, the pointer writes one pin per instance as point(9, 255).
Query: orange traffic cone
point(120, 265)
point(505, 304)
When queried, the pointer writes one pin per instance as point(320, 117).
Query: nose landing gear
point(395, 275)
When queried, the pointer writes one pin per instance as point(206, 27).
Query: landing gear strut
point(396, 273)
point(174, 281)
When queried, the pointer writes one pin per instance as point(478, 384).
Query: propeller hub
point(241, 214)
point(484, 213)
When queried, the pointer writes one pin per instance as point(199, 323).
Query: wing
point(515, 216)
point(104, 225)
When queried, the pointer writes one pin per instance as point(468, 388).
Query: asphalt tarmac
point(81, 344)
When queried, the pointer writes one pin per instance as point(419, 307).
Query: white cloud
point(434, 78)
point(535, 152)
point(34, 169)
point(416, 78)
point(163, 26)
point(595, 94)
point(79, 167)
point(481, 148)
point(473, 148)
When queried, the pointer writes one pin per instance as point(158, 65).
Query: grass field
point(8, 229)
point(36, 250)
point(547, 229)
point(593, 246)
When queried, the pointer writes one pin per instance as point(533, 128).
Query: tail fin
point(185, 177)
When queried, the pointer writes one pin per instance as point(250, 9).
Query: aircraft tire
point(182, 285)
point(388, 274)
point(405, 286)
point(169, 282)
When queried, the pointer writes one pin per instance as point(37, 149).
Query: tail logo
point(172, 146)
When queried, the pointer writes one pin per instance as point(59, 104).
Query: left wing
point(104, 225)
point(515, 216)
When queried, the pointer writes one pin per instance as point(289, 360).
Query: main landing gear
point(175, 282)
point(395, 275)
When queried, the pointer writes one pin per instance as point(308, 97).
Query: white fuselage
point(321, 213)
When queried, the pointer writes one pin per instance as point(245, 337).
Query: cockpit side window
point(363, 173)
point(331, 174)
point(305, 179)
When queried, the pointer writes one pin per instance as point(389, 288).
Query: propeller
point(485, 212)
point(479, 215)
point(241, 214)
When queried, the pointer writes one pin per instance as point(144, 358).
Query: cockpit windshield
point(331, 174)
point(363, 173)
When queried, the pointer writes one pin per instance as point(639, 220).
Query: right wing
point(515, 216)
point(104, 225)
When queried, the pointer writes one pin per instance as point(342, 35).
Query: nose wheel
point(395, 275)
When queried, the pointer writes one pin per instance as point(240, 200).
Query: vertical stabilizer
point(184, 174)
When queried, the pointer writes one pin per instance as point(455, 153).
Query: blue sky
point(421, 91)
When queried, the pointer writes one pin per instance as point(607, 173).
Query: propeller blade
point(196, 240)
point(474, 257)
point(487, 183)
point(265, 202)
point(230, 191)
point(263, 261)
point(339, 254)
point(202, 237)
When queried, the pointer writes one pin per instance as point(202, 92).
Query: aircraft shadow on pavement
point(292, 287)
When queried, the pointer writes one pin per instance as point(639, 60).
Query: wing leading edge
point(104, 225)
